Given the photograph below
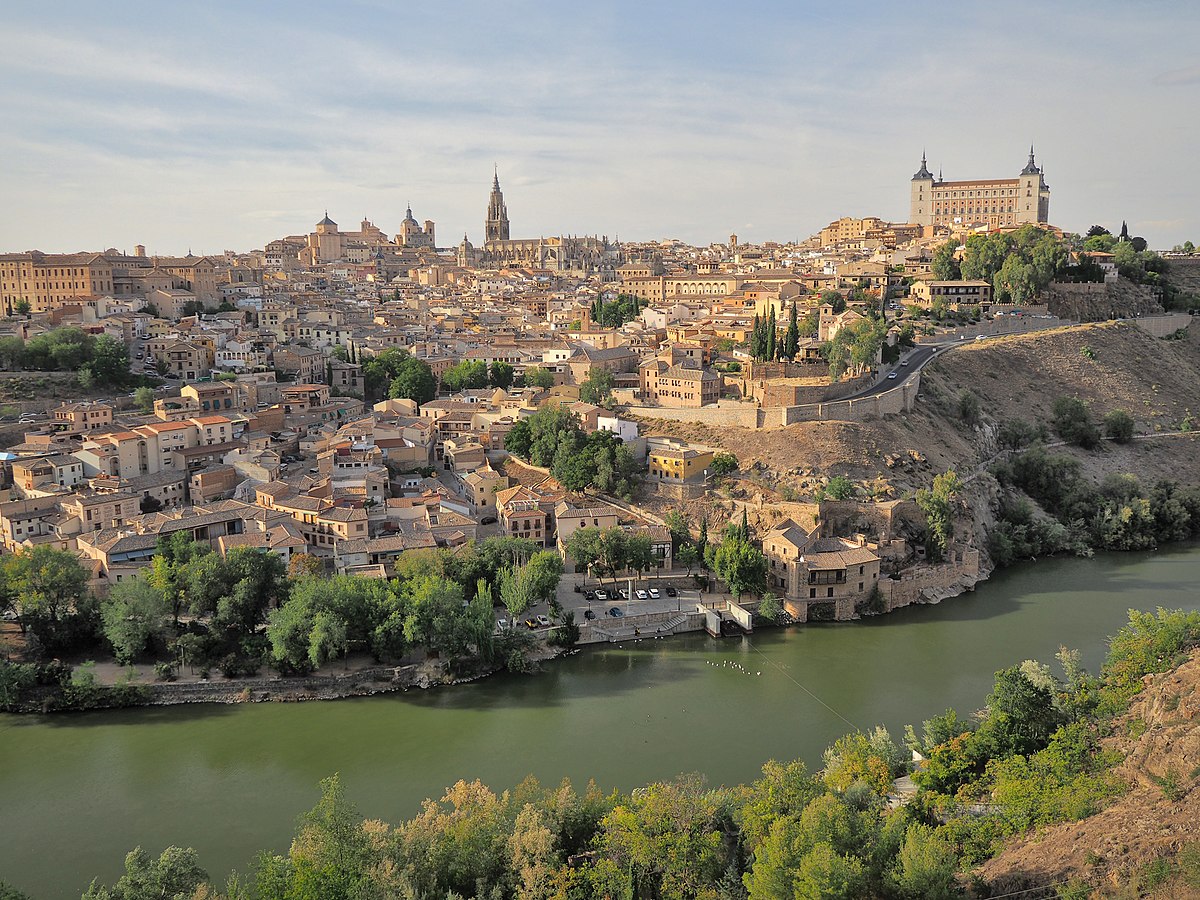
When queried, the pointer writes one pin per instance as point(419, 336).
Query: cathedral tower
point(495, 227)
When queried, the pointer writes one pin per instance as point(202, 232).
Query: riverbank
point(360, 681)
point(228, 779)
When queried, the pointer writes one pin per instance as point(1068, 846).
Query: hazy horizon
point(224, 127)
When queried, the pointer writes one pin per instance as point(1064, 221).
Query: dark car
point(589, 614)
point(671, 592)
point(615, 612)
point(589, 596)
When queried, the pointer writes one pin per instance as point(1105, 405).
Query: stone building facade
point(995, 202)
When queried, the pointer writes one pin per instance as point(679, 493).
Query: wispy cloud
point(229, 124)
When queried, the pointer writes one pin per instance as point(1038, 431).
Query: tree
point(945, 264)
point(938, 506)
point(839, 488)
point(466, 375)
point(584, 547)
point(687, 556)
point(518, 590)
point(12, 351)
point(1073, 423)
point(740, 565)
point(770, 608)
point(639, 555)
point(925, 866)
point(110, 361)
point(1118, 425)
point(45, 586)
point(133, 614)
point(413, 381)
point(143, 397)
point(22, 307)
point(771, 335)
point(681, 532)
point(597, 387)
point(305, 565)
point(791, 340)
point(175, 873)
point(500, 374)
point(536, 376)
point(723, 464)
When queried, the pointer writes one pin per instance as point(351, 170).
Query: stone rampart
point(740, 415)
point(929, 584)
point(897, 400)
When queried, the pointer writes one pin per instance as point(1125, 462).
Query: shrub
point(1118, 425)
point(1073, 423)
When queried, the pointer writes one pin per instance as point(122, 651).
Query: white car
point(543, 622)
point(501, 624)
point(654, 593)
point(641, 595)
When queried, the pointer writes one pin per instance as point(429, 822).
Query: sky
point(228, 123)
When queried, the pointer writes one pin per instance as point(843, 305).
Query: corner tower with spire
point(495, 226)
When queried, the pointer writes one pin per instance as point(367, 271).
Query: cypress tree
point(745, 525)
point(702, 541)
point(771, 335)
point(791, 341)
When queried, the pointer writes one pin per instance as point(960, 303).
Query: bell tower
point(495, 227)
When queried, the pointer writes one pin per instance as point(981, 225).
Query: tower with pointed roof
point(922, 193)
point(495, 226)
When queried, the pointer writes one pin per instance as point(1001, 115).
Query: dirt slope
point(1148, 822)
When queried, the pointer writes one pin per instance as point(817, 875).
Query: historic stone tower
point(495, 227)
point(921, 206)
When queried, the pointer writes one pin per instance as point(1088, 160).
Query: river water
point(77, 792)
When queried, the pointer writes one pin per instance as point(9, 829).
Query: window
point(829, 592)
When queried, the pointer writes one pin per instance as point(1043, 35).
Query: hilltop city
point(343, 402)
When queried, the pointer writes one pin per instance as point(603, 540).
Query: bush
point(968, 407)
point(164, 671)
point(1073, 423)
point(1118, 425)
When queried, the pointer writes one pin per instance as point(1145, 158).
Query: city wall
point(897, 400)
point(744, 415)
point(925, 584)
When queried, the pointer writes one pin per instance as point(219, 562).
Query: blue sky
point(223, 125)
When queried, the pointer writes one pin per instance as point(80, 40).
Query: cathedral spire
point(495, 226)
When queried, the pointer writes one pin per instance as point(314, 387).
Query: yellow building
point(676, 461)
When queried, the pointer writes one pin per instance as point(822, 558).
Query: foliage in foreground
point(1031, 758)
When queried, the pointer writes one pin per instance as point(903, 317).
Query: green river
point(77, 792)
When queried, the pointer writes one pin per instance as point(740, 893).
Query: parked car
point(602, 595)
point(671, 592)
point(641, 595)
point(615, 612)
point(654, 594)
point(623, 593)
point(501, 624)
point(10, 615)
point(543, 621)
point(531, 624)
point(589, 596)
point(589, 614)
